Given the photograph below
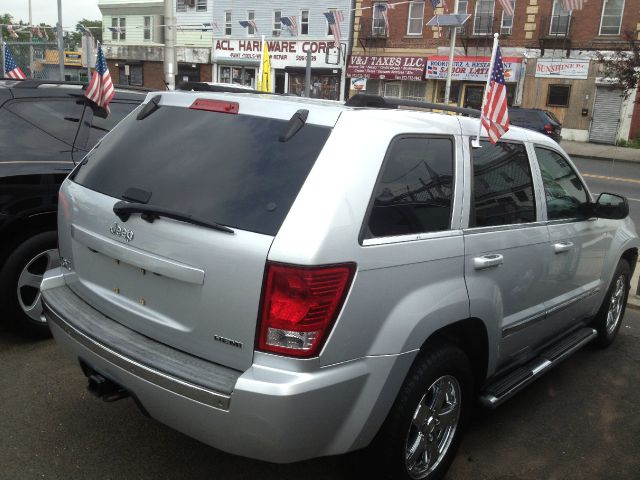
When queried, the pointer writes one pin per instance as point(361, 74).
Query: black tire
point(17, 261)
point(607, 330)
point(438, 361)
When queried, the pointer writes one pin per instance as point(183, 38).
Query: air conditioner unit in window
point(189, 3)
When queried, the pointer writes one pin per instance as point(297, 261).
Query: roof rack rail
point(35, 83)
point(376, 101)
point(205, 87)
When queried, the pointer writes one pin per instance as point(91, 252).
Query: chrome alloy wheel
point(616, 303)
point(433, 427)
point(29, 281)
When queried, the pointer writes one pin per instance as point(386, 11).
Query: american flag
point(495, 115)
point(291, 23)
point(248, 23)
point(574, 4)
point(11, 67)
point(334, 18)
point(100, 89)
point(36, 32)
point(385, 15)
point(84, 30)
point(507, 7)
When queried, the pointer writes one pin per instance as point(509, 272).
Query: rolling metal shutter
point(606, 115)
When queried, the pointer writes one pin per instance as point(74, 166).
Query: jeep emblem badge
point(120, 231)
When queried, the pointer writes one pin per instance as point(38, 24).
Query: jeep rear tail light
point(548, 128)
point(300, 306)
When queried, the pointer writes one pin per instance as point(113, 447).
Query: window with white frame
point(277, 23)
point(147, 29)
point(227, 22)
point(611, 21)
point(379, 23)
point(560, 19)
point(201, 6)
point(506, 25)
point(463, 6)
point(120, 25)
point(181, 5)
point(416, 18)
point(251, 15)
point(483, 18)
point(304, 22)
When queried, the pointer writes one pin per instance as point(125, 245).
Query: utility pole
point(452, 48)
point(60, 42)
point(169, 45)
point(30, 41)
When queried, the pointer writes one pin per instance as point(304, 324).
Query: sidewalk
point(601, 152)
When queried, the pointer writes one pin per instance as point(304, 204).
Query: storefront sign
point(386, 68)
point(359, 84)
point(282, 53)
point(71, 59)
point(562, 68)
point(471, 68)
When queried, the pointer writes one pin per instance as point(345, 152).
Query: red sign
point(387, 68)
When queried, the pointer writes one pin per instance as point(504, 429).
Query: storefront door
point(472, 96)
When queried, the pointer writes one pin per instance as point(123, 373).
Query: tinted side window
point(563, 190)
point(21, 141)
point(502, 188)
point(101, 126)
point(415, 190)
point(60, 118)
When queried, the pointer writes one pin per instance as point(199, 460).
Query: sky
point(47, 11)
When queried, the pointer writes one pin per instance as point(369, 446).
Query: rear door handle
point(562, 247)
point(487, 261)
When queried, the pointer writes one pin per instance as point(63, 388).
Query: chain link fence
point(39, 60)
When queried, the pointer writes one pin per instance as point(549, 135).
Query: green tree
point(622, 67)
point(94, 26)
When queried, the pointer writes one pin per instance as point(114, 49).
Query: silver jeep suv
point(284, 278)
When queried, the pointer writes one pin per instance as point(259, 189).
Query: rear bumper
point(267, 413)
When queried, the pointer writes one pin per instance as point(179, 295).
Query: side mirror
point(611, 206)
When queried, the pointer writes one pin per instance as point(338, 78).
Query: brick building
point(549, 57)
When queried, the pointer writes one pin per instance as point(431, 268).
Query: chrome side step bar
point(506, 387)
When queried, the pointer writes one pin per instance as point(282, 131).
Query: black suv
point(542, 121)
point(45, 128)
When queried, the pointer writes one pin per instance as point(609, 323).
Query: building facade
point(220, 41)
point(549, 55)
point(291, 28)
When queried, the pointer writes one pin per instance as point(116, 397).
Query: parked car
point(284, 278)
point(542, 121)
point(45, 127)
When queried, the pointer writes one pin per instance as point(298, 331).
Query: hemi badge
point(227, 341)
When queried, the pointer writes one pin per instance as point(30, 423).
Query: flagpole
point(260, 71)
point(476, 142)
point(452, 48)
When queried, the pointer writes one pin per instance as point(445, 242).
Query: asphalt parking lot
point(581, 421)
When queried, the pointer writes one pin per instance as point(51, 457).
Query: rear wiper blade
point(150, 213)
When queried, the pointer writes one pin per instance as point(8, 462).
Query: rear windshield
point(552, 116)
point(224, 168)
point(519, 115)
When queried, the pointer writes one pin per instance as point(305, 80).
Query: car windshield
point(222, 168)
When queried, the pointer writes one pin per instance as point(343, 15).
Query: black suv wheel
point(20, 282)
